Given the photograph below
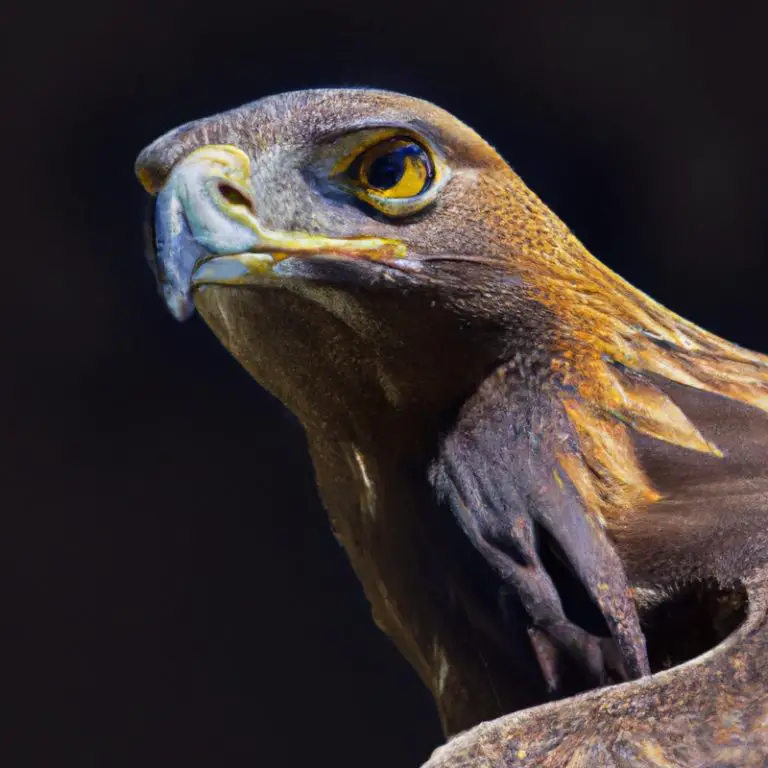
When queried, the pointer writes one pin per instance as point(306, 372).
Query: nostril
point(234, 196)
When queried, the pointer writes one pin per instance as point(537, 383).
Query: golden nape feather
point(611, 332)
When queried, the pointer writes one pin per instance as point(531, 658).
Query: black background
point(171, 591)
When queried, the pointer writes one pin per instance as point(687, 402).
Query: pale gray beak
point(206, 231)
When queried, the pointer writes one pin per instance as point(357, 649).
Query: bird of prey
point(525, 457)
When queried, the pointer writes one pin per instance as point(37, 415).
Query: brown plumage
point(516, 447)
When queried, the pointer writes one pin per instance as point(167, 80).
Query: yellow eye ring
point(396, 175)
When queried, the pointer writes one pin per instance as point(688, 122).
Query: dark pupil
point(385, 171)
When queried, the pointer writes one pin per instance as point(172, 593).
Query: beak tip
point(179, 303)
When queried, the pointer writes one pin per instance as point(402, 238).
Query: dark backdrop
point(154, 612)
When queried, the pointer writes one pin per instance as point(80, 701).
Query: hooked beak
point(206, 230)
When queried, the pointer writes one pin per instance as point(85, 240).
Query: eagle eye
point(397, 175)
point(394, 168)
